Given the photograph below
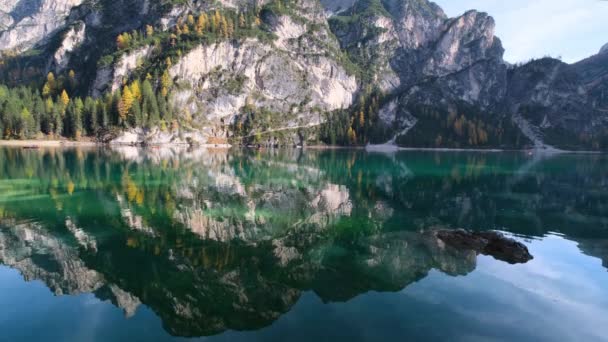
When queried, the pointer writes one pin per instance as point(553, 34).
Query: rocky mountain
point(292, 72)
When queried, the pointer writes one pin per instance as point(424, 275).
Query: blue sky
point(571, 29)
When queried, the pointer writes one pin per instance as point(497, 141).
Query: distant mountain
point(292, 72)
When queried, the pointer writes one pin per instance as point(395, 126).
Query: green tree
point(166, 83)
point(151, 112)
point(91, 122)
point(26, 124)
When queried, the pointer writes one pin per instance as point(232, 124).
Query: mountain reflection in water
point(213, 241)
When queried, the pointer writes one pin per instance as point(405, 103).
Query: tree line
point(357, 125)
point(51, 110)
point(27, 113)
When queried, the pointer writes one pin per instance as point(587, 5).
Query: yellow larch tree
point(125, 103)
point(65, 98)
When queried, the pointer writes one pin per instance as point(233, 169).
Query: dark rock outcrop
point(489, 243)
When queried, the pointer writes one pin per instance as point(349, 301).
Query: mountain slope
point(291, 72)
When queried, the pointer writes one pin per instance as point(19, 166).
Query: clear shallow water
point(129, 245)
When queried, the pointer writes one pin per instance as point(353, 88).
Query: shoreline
point(34, 144)
point(47, 143)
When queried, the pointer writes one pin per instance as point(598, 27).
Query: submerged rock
point(489, 243)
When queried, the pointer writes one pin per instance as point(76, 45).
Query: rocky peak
point(604, 49)
point(418, 22)
point(466, 40)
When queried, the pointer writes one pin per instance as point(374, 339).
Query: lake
point(128, 244)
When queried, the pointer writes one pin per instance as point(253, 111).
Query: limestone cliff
point(25, 23)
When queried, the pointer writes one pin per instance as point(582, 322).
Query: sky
point(570, 29)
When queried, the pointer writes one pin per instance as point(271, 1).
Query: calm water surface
point(162, 245)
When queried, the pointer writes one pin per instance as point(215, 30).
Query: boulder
point(490, 243)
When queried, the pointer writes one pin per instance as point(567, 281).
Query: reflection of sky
point(560, 295)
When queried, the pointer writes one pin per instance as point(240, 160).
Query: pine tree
point(72, 80)
point(103, 111)
point(165, 112)
point(58, 109)
point(150, 109)
point(165, 83)
point(91, 122)
point(115, 107)
point(39, 113)
point(26, 124)
point(135, 115)
point(48, 105)
point(76, 119)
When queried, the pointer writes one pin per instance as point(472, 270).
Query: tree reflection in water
point(216, 240)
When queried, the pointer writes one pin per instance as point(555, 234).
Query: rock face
point(24, 23)
point(442, 63)
point(559, 99)
point(421, 57)
point(110, 78)
point(291, 77)
point(72, 39)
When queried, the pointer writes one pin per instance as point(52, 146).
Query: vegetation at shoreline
point(58, 106)
point(48, 110)
point(26, 113)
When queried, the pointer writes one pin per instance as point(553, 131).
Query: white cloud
point(572, 29)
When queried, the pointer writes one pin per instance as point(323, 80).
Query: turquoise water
point(161, 245)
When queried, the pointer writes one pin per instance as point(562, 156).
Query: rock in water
point(489, 243)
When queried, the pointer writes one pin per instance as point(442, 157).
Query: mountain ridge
point(352, 72)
